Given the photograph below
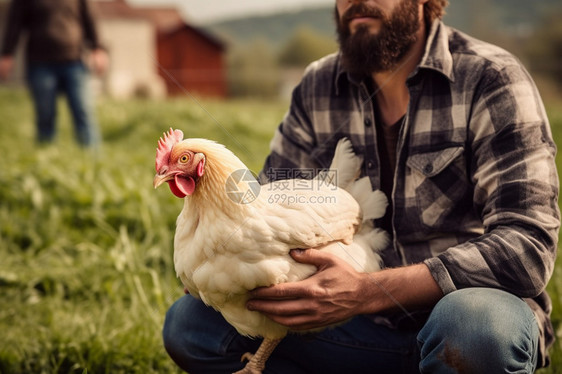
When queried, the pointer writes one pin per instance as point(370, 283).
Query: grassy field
point(86, 270)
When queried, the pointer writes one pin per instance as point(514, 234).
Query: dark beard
point(364, 53)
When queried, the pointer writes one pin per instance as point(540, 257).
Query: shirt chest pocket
point(438, 184)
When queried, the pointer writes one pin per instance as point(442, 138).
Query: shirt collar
point(436, 56)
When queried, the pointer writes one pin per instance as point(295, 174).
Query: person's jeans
point(476, 330)
point(45, 81)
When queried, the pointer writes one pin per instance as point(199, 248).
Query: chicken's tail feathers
point(375, 241)
point(345, 166)
point(373, 203)
point(343, 173)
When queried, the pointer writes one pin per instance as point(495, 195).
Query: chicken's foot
point(257, 361)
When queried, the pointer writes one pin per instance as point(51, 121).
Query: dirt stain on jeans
point(453, 358)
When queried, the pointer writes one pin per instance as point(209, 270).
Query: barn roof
point(201, 32)
point(166, 20)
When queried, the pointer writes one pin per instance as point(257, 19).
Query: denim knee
point(479, 330)
point(199, 340)
point(174, 343)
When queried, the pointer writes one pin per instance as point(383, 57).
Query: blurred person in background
point(58, 35)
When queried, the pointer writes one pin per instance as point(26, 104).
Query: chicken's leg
point(257, 361)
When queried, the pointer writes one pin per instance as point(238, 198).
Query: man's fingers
point(299, 322)
point(299, 289)
point(281, 308)
point(282, 291)
point(312, 257)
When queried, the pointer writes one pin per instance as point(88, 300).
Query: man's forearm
point(405, 288)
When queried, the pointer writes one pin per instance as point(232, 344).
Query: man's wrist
point(406, 288)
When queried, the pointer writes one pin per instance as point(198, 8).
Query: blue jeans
point(45, 81)
point(474, 330)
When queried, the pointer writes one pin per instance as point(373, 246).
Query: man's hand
point(99, 61)
point(337, 292)
point(6, 66)
point(331, 295)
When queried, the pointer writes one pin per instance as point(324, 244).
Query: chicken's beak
point(161, 178)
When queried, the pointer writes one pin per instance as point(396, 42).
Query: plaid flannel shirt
point(475, 187)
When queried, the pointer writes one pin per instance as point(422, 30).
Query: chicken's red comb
point(165, 145)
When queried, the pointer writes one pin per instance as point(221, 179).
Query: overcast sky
point(201, 11)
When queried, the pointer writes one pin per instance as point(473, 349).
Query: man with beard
point(454, 132)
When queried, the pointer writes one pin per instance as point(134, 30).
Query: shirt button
point(370, 164)
point(368, 122)
point(428, 168)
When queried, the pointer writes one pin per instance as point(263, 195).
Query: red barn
point(189, 60)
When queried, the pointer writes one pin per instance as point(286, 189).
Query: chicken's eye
point(184, 159)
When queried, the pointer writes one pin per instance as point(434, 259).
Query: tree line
point(260, 67)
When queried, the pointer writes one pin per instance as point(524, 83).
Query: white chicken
point(233, 236)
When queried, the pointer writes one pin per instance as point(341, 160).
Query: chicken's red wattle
point(181, 186)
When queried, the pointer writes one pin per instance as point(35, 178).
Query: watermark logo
point(242, 187)
point(296, 199)
point(307, 179)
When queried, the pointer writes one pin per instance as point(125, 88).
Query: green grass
point(86, 271)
